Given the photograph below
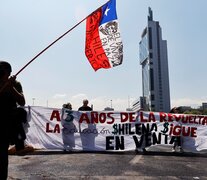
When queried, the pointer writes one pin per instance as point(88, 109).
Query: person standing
point(178, 139)
point(85, 106)
point(11, 95)
point(67, 106)
point(69, 128)
point(87, 137)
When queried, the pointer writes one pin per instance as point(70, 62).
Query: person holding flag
point(11, 95)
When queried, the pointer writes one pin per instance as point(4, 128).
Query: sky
point(63, 74)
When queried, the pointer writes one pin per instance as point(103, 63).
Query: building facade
point(138, 105)
point(204, 105)
point(154, 61)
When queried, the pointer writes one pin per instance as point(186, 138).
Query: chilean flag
point(103, 46)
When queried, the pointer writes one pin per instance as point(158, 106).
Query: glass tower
point(154, 62)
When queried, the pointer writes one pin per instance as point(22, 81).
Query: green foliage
point(204, 112)
point(196, 111)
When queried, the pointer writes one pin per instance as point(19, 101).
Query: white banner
point(51, 128)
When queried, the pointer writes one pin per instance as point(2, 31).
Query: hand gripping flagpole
point(56, 41)
point(41, 52)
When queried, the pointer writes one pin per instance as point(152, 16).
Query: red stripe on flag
point(93, 46)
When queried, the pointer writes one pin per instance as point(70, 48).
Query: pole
point(55, 41)
point(128, 102)
point(33, 100)
point(2, 88)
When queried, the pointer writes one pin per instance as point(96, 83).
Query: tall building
point(154, 62)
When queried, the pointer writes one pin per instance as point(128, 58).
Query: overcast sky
point(63, 74)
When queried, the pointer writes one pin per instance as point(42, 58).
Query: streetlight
point(33, 100)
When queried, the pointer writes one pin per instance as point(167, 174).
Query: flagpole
point(2, 88)
point(41, 52)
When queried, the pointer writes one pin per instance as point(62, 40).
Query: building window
point(151, 80)
point(152, 97)
point(150, 38)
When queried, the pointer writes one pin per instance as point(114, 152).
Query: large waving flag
point(103, 46)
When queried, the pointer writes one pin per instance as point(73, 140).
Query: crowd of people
point(13, 116)
point(84, 107)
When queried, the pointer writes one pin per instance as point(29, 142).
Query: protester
point(20, 125)
point(69, 128)
point(87, 138)
point(85, 106)
point(142, 148)
point(178, 141)
point(67, 106)
point(11, 95)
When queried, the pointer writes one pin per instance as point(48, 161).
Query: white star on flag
point(106, 12)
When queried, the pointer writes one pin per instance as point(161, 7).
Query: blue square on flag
point(109, 12)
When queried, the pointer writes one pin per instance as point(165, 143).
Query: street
point(52, 165)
